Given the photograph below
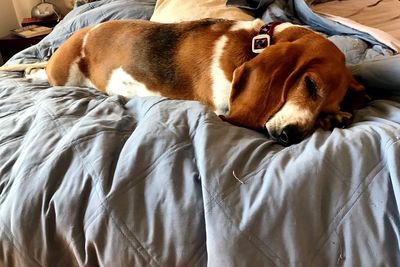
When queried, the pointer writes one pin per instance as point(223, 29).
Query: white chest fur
point(221, 86)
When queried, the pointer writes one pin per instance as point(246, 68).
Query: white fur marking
point(96, 27)
point(85, 39)
point(289, 114)
point(247, 25)
point(75, 76)
point(122, 83)
point(221, 86)
point(84, 44)
point(36, 75)
point(89, 83)
point(283, 26)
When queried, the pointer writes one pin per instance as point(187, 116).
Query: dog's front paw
point(337, 120)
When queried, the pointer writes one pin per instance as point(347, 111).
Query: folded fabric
point(301, 10)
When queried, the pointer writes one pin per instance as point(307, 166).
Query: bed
point(88, 179)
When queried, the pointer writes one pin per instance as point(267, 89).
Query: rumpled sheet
point(381, 14)
point(87, 180)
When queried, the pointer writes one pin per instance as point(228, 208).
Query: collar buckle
point(263, 39)
point(260, 42)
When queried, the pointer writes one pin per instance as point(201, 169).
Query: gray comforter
point(87, 179)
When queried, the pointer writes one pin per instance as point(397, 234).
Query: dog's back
point(134, 58)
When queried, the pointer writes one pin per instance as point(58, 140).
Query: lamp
point(45, 10)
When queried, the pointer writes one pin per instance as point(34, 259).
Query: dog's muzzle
point(289, 135)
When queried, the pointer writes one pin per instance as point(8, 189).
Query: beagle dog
point(284, 79)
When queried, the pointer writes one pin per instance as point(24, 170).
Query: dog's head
point(290, 86)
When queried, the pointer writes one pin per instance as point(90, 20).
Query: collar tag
point(260, 42)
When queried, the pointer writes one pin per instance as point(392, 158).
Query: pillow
point(75, 3)
point(183, 10)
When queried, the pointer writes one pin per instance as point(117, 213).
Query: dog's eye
point(311, 87)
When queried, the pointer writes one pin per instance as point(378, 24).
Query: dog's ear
point(355, 98)
point(241, 80)
point(251, 101)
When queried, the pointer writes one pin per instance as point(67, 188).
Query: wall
point(8, 19)
point(13, 11)
point(23, 7)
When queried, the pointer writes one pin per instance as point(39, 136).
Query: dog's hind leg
point(64, 66)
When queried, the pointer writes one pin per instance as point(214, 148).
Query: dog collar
point(263, 39)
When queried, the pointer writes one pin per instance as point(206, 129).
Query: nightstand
point(11, 44)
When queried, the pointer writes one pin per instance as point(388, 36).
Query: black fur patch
point(160, 47)
point(159, 53)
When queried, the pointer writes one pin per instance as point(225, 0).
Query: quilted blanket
point(92, 180)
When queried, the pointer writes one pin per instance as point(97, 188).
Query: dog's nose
point(290, 135)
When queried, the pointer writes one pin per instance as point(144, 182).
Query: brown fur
point(175, 60)
point(65, 58)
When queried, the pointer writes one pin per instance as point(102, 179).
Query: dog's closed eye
point(311, 87)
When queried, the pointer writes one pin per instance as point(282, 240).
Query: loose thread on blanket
point(234, 175)
point(341, 256)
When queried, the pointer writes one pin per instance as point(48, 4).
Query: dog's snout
point(289, 135)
